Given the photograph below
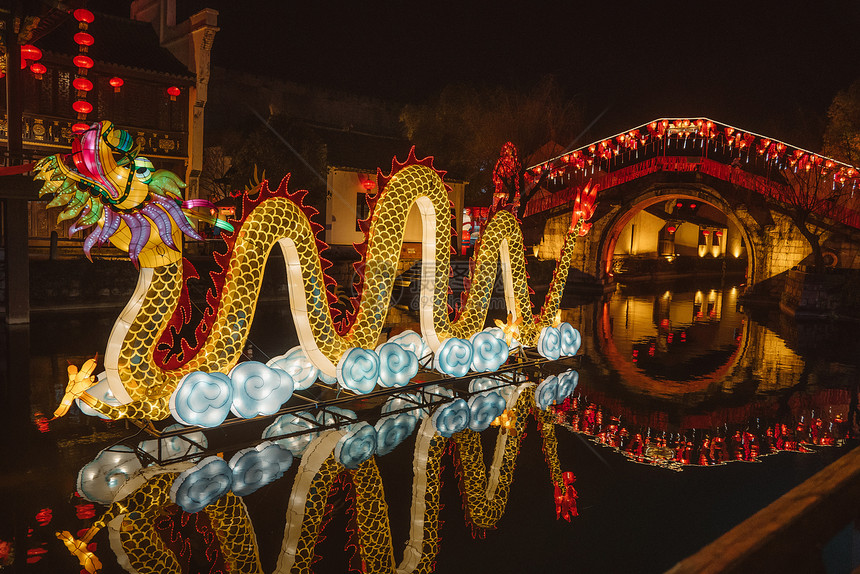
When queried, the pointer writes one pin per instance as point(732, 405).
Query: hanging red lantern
point(116, 83)
point(706, 232)
point(31, 52)
point(79, 128)
point(38, 69)
point(82, 84)
point(368, 184)
point(173, 91)
point(83, 16)
point(82, 107)
point(23, 64)
point(82, 61)
point(84, 40)
point(671, 229)
point(718, 232)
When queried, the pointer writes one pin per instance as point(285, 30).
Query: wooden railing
point(788, 535)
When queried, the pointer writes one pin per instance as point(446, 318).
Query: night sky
point(768, 66)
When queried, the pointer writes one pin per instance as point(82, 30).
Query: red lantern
point(173, 91)
point(82, 84)
point(38, 69)
point(116, 83)
point(83, 15)
point(692, 206)
point(671, 229)
point(706, 232)
point(31, 52)
point(80, 128)
point(368, 184)
point(83, 62)
point(679, 205)
point(718, 232)
point(82, 107)
point(83, 40)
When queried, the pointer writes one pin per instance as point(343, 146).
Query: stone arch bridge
point(727, 182)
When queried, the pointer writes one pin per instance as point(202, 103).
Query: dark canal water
point(691, 414)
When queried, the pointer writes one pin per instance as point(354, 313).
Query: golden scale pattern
point(485, 512)
point(232, 525)
point(145, 548)
point(314, 514)
point(279, 219)
point(371, 517)
point(374, 530)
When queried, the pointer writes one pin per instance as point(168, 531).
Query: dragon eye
point(143, 169)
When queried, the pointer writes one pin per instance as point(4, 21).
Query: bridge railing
point(743, 158)
point(732, 174)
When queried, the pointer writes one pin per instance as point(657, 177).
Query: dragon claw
point(78, 548)
point(79, 382)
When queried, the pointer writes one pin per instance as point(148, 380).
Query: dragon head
point(103, 182)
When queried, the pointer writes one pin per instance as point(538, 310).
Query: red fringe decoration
point(177, 528)
point(348, 319)
point(176, 331)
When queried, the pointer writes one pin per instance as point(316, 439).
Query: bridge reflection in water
point(676, 378)
point(684, 360)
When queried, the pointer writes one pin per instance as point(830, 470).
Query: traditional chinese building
point(145, 73)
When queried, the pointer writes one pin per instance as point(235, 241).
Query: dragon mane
point(104, 182)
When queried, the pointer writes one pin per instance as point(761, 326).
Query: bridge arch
point(656, 192)
point(740, 173)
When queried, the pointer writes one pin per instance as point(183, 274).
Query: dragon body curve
point(144, 386)
point(131, 517)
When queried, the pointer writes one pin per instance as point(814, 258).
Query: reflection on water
point(692, 346)
point(678, 378)
point(700, 383)
point(732, 434)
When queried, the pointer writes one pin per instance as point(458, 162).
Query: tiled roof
point(119, 41)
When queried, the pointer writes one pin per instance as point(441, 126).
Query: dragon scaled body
point(131, 518)
point(106, 185)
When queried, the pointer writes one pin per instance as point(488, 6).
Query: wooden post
point(16, 225)
point(17, 262)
